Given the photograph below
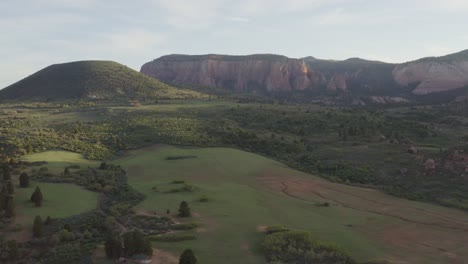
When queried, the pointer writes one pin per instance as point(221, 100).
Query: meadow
point(60, 201)
point(326, 170)
point(244, 193)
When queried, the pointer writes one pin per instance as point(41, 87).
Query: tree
point(113, 247)
point(37, 226)
point(3, 197)
point(6, 172)
point(10, 188)
point(24, 180)
point(66, 172)
point(184, 209)
point(48, 220)
point(36, 197)
point(9, 206)
point(187, 257)
point(13, 251)
point(67, 227)
point(136, 243)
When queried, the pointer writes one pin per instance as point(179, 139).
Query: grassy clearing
point(60, 200)
point(248, 192)
point(58, 160)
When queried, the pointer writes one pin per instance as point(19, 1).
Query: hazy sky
point(37, 33)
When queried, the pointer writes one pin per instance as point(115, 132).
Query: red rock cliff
point(239, 73)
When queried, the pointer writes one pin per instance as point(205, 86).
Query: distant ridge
point(92, 80)
point(353, 78)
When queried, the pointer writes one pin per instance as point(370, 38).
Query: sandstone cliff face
point(337, 82)
point(257, 72)
point(432, 76)
point(355, 76)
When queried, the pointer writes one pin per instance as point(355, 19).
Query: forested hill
point(93, 80)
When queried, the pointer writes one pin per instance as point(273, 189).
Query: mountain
point(356, 77)
point(434, 74)
point(239, 73)
point(93, 80)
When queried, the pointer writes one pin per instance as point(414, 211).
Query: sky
point(37, 33)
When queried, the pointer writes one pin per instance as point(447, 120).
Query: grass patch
point(172, 238)
point(242, 198)
point(60, 200)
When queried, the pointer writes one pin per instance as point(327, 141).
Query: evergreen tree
point(136, 243)
point(66, 172)
point(13, 251)
point(187, 257)
point(113, 247)
point(9, 206)
point(10, 188)
point(67, 227)
point(6, 172)
point(48, 221)
point(3, 197)
point(24, 180)
point(184, 209)
point(36, 197)
point(37, 226)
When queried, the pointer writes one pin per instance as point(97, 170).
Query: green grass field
point(247, 192)
point(58, 160)
point(60, 200)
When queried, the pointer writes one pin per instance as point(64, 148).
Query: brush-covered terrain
point(351, 184)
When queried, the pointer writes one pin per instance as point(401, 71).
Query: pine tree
point(36, 197)
point(184, 209)
point(10, 188)
point(6, 172)
point(187, 257)
point(9, 206)
point(113, 247)
point(37, 226)
point(3, 197)
point(24, 180)
point(13, 251)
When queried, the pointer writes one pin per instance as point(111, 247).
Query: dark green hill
point(93, 80)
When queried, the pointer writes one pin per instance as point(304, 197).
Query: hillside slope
point(93, 80)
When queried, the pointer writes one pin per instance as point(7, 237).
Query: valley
point(361, 155)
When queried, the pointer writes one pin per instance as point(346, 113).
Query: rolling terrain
point(240, 202)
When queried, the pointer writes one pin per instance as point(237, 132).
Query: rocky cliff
point(239, 73)
point(432, 75)
point(275, 73)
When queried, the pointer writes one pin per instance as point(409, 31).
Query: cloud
point(436, 50)
point(65, 3)
point(190, 15)
point(238, 19)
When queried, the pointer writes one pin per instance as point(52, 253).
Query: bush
point(172, 238)
point(185, 226)
point(276, 229)
point(299, 247)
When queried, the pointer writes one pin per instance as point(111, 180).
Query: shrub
point(299, 247)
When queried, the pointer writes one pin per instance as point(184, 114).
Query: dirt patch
point(201, 230)
point(196, 214)
point(160, 256)
point(245, 246)
point(310, 190)
point(261, 228)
